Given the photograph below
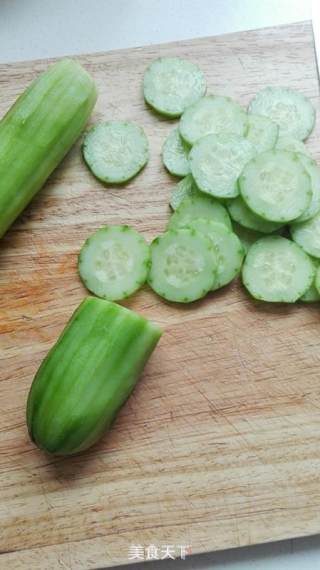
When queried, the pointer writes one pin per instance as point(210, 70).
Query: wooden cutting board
point(219, 446)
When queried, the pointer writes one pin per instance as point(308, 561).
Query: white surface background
point(32, 29)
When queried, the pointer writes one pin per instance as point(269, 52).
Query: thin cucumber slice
point(115, 151)
point(307, 235)
point(277, 270)
point(246, 236)
point(276, 186)
point(171, 84)
point(114, 262)
point(201, 206)
point(313, 170)
point(217, 161)
point(175, 152)
point(212, 115)
point(312, 294)
point(291, 144)
point(230, 252)
point(183, 265)
point(185, 188)
point(291, 110)
point(262, 132)
point(240, 213)
point(317, 280)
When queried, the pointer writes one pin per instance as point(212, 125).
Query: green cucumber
point(262, 132)
point(312, 295)
point(307, 235)
point(240, 213)
point(88, 375)
point(38, 131)
point(175, 152)
point(246, 236)
point(199, 206)
point(291, 144)
point(313, 170)
point(185, 188)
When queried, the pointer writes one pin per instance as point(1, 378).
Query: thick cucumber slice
point(230, 252)
point(313, 170)
point(175, 152)
point(246, 236)
point(217, 161)
point(213, 114)
point(201, 206)
point(312, 295)
point(115, 151)
point(240, 213)
point(114, 262)
point(262, 132)
point(290, 109)
point(171, 84)
point(276, 186)
point(183, 265)
point(277, 270)
point(185, 188)
point(291, 144)
point(307, 235)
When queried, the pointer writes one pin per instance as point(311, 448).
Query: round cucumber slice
point(115, 151)
point(213, 114)
point(291, 144)
point(230, 252)
point(312, 294)
point(201, 206)
point(240, 213)
point(317, 280)
point(291, 110)
point(262, 132)
point(183, 265)
point(277, 270)
point(246, 236)
point(175, 152)
point(307, 235)
point(313, 170)
point(171, 84)
point(217, 161)
point(276, 186)
point(114, 262)
point(185, 188)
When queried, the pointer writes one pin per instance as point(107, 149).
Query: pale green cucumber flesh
point(240, 213)
point(291, 144)
point(313, 170)
point(88, 375)
point(307, 235)
point(312, 294)
point(247, 237)
point(183, 189)
point(199, 206)
point(262, 132)
point(175, 152)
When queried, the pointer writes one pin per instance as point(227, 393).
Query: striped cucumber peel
point(38, 131)
point(199, 206)
point(88, 375)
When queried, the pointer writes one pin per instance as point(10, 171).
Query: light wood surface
point(219, 446)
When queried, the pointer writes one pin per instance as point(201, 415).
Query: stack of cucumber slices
point(248, 199)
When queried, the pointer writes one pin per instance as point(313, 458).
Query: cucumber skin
point(88, 375)
point(38, 131)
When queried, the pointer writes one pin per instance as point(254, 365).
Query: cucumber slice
point(185, 188)
point(290, 109)
point(217, 161)
point(240, 213)
point(313, 170)
point(276, 186)
point(114, 262)
point(175, 152)
point(312, 295)
point(291, 144)
point(230, 252)
point(262, 132)
point(307, 235)
point(317, 280)
point(201, 206)
point(115, 151)
point(246, 236)
point(277, 270)
point(171, 84)
point(183, 265)
point(212, 115)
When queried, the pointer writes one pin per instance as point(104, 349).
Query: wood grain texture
point(219, 446)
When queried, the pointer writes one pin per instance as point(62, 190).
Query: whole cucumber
point(88, 375)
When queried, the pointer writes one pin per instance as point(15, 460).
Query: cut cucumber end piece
point(183, 265)
point(213, 114)
point(115, 151)
point(175, 153)
point(199, 206)
point(262, 132)
point(276, 186)
point(240, 213)
point(114, 262)
point(291, 110)
point(171, 84)
point(277, 270)
point(217, 161)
